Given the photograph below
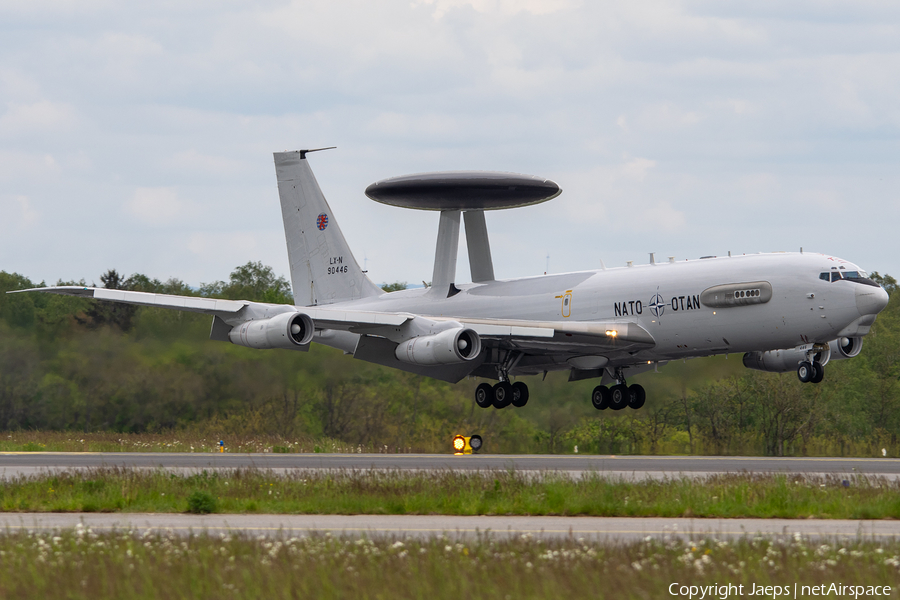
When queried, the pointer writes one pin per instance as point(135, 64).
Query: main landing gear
point(811, 371)
point(504, 393)
point(501, 395)
point(618, 396)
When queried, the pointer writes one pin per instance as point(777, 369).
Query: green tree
point(16, 309)
point(252, 281)
point(394, 287)
point(885, 281)
point(101, 313)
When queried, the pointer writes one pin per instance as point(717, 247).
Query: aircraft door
point(567, 303)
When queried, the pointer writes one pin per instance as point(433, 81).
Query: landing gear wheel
point(503, 394)
point(600, 397)
point(484, 395)
point(519, 394)
point(818, 373)
point(618, 396)
point(805, 372)
point(636, 396)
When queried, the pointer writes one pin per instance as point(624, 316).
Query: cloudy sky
point(138, 136)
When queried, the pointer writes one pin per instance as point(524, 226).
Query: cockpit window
point(854, 276)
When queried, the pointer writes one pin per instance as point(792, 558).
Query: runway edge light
point(466, 444)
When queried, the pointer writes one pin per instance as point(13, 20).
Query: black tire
point(618, 396)
point(805, 372)
point(503, 394)
point(519, 394)
point(818, 373)
point(636, 396)
point(600, 397)
point(484, 395)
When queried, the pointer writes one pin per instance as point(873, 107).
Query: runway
point(589, 528)
point(630, 467)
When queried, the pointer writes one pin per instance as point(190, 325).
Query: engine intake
point(782, 361)
point(846, 347)
point(287, 330)
point(447, 347)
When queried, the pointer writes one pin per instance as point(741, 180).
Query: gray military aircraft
point(785, 311)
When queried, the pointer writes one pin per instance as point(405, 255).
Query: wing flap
point(612, 334)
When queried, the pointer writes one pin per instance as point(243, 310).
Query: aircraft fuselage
point(665, 299)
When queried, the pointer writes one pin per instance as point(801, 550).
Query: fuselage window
point(824, 276)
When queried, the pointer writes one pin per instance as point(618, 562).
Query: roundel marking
point(322, 221)
point(657, 305)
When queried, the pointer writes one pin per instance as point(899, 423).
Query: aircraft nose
point(870, 300)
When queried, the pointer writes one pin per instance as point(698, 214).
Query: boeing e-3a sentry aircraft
point(784, 311)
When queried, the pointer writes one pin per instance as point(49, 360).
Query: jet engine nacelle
point(782, 361)
point(287, 330)
point(845, 347)
point(447, 347)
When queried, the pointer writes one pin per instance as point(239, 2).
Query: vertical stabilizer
point(323, 270)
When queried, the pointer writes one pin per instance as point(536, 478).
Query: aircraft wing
point(522, 334)
point(186, 303)
point(228, 310)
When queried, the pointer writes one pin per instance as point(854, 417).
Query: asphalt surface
point(18, 463)
point(590, 528)
point(602, 529)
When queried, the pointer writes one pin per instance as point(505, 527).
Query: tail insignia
point(322, 221)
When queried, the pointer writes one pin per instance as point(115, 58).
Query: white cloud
point(648, 113)
point(637, 168)
point(38, 117)
point(505, 7)
point(156, 206)
point(18, 212)
point(20, 165)
point(233, 246)
point(194, 161)
point(661, 216)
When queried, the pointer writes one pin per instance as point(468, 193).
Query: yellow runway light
point(466, 444)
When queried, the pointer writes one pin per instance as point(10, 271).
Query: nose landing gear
point(811, 372)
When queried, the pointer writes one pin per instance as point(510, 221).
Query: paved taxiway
point(454, 527)
point(594, 528)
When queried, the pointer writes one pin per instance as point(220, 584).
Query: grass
point(450, 492)
point(184, 441)
point(78, 563)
